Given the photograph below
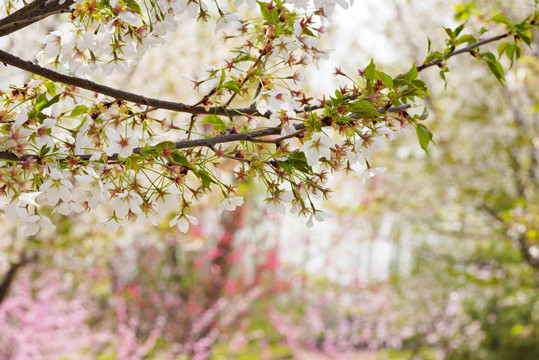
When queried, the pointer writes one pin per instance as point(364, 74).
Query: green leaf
point(424, 115)
point(205, 178)
point(502, 48)
point(287, 165)
point(270, 16)
point(165, 145)
point(386, 79)
point(299, 161)
point(181, 159)
point(495, 67)
point(470, 39)
point(308, 31)
point(42, 102)
point(216, 121)
point(51, 88)
point(424, 135)
point(412, 74)
point(222, 80)
point(79, 110)
point(501, 19)
point(511, 52)
point(133, 5)
point(442, 76)
point(296, 160)
point(44, 151)
point(458, 30)
point(370, 72)
point(146, 151)
point(527, 39)
point(463, 11)
point(364, 108)
point(233, 86)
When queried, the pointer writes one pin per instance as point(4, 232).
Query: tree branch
point(32, 13)
point(466, 49)
point(17, 62)
point(21, 12)
point(252, 136)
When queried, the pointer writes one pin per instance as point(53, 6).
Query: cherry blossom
point(318, 146)
point(125, 202)
point(80, 144)
point(182, 221)
point(121, 142)
point(56, 188)
point(230, 203)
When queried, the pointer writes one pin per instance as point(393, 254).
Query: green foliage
point(424, 135)
point(218, 124)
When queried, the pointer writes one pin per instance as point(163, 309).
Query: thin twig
point(228, 156)
point(466, 49)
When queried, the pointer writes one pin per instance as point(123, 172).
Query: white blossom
point(121, 143)
point(318, 146)
point(32, 224)
point(56, 188)
point(126, 201)
point(319, 216)
point(230, 203)
point(370, 172)
point(182, 222)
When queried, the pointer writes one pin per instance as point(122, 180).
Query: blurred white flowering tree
point(69, 144)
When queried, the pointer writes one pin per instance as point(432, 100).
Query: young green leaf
point(180, 159)
point(424, 115)
point(216, 121)
point(424, 135)
point(364, 108)
point(412, 74)
point(133, 5)
point(42, 102)
point(501, 19)
point(370, 71)
point(233, 86)
point(386, 79)
point(78, 110)
point(495, 67)
point(205, 178)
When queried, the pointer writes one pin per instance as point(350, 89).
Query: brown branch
point(17, 62)
point(21, 12)
point(252, 136)
point(32, 13)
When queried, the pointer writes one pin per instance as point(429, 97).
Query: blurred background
point(437, 258)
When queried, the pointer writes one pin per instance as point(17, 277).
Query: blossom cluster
point(66, 150)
